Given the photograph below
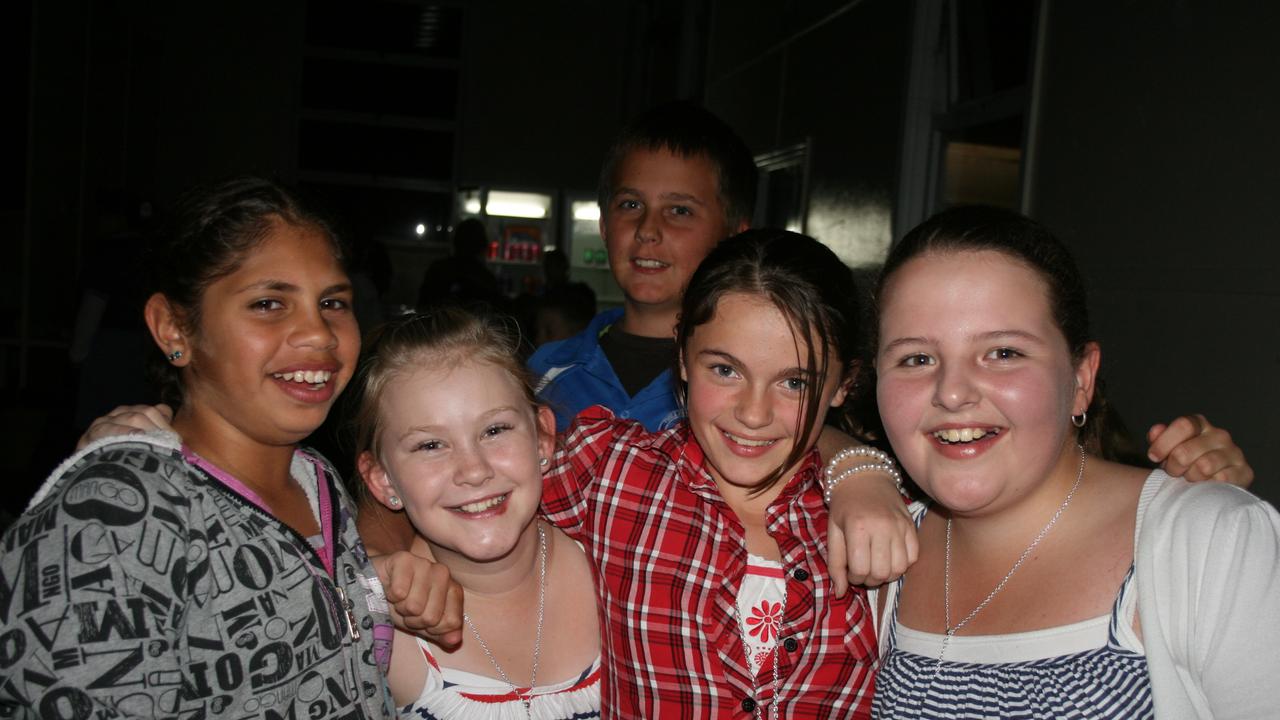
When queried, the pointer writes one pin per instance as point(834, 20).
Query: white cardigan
point(1207, 574)
point(1207, 564)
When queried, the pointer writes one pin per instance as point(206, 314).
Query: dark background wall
point(1158, 161)
point(1151, 154)
point(832, 73)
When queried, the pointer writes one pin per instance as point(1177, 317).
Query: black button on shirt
point(800, 574)
point(790, 644)
point(748, 705)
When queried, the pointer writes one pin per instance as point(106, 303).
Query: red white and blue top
point(451, 693)
point(670, 557)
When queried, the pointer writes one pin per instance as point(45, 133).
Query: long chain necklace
point(946, 568)
point(537, 643)
point(773, 655)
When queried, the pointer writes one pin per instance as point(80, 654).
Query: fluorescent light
point(472, 205)
point(586, 210)
point(518, 204)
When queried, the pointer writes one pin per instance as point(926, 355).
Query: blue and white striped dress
point(1012, 676)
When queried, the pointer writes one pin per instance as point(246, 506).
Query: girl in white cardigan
point(1051, 582)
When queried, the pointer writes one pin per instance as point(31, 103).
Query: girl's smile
point(964, 440)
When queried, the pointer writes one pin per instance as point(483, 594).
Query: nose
point(754, 408)
point(313, 331)
point(955, 388)
point(473, 466)
point(648, 227)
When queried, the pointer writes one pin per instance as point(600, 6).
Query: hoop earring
point(542, 462)
point(1081, 419)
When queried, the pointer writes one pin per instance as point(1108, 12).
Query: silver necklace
point(537, 643)
point(773, 655)
point(946, 568)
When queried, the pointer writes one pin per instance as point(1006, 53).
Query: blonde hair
point(442, 338)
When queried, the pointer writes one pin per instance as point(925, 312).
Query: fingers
point(880, 552)
point(423, 598)
point(912, 543)
point(861, 554)
point(127, 420)
point(1164, 438)
point(1218, 465)
point(837, 561)
point(1154, 433)
point(160, 415)
point(1192, 448)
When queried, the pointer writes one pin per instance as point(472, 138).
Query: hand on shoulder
point(127, 420)
point(1191, 447)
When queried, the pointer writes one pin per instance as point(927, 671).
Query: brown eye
point(1003, 353)
point(916, 360)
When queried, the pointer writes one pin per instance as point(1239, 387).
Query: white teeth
point(954, 435)
point(482, 505)
point(650, 264)
point(308, 377)
point(749, 443)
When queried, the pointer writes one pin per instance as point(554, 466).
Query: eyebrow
point(679, 196)
point(999, 334)
point(287, 287)
point(428, 429)
point(905, 341)
point(991, 335)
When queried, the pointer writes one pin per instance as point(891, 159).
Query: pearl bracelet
point(881, 463)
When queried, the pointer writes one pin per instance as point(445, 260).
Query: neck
point(751, 509)
point(515, 572)
point(262, 467)
point(648, 321)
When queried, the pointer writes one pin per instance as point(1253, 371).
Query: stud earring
point(393, 501)
point(1081, 419)
point(542, 462)
point(174, 356)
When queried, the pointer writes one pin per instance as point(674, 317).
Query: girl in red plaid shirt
point(708, 539)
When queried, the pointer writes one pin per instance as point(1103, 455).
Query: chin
point(741, 477)
point(489, 550)
point(966, 498)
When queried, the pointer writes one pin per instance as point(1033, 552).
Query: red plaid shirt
point(669, 556)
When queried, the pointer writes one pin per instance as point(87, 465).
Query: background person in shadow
point(462, 278)
point(565, 308)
